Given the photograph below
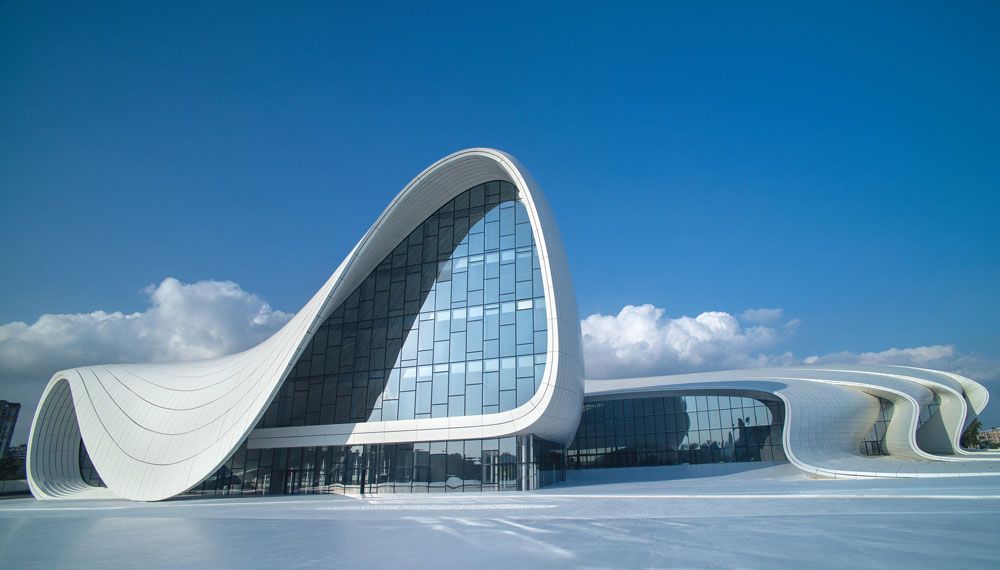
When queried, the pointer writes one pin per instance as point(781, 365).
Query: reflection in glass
point(495, 464)
point(462, 294)
point(874, 442)
point(677, 430)
point(87, 470)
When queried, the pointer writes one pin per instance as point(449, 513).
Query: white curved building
point(444, 353)
point(831, 421)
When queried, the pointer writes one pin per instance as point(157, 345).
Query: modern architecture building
point(8, 419)
point(444, 355)
point(18, 452)
point(990, 437)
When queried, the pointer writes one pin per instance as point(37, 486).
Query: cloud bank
point(642, 341)
point(184, 321)
point(937, 356)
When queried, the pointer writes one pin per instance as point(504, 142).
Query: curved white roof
point(156, 430)
point(829, 409)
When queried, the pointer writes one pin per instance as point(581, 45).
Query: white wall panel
point(156, 430)
point(830, 409)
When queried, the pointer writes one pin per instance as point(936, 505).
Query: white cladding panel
point(830, 409)
point(156, 430)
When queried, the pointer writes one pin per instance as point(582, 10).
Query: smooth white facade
point(830, 409)
point(156, 430)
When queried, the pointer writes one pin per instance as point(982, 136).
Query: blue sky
point(837, 162)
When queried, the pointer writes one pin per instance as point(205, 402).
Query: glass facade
point(495, 464)
point(87, 470)
point(874, 442)
point(677, 430)
point(930, 411)
point(451, 323)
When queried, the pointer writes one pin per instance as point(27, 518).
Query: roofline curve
point(156, 430)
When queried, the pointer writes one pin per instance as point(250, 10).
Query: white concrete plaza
point(717, 516)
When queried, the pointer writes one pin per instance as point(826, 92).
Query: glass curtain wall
point(451, 323)
point(87, 470)
point(928, 412)
point(494, 464)
point(874, 442)
point(677, 430)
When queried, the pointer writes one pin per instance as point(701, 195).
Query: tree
point(11, 468)
point(970, 437)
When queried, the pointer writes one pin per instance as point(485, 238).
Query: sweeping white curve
point(155, 430)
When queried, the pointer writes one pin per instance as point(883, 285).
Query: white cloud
point(184, 321)
point(640, 341)
point(936, 356)
point(762, 316)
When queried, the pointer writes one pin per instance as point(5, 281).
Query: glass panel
point(461, 290)
point(695, 429)
point(510, 463)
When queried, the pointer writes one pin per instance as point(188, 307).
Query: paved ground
point(769, 517)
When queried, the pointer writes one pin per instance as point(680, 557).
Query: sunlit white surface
point(154, 431)
point(830, 408)
point(724, 516)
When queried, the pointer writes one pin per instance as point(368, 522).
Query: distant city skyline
point(768, 187)
point(9, 412)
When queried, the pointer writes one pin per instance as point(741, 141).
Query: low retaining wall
point(15, 487)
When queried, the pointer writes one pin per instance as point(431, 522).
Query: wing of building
point(444, 354)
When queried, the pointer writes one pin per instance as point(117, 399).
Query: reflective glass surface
point(451, 323)
point(495, 464)
point(874, 441)
point(929, 411)
point(87, 470)
point(676, 430)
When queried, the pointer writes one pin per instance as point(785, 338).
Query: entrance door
point(355, 476)
point(370, 470)
point(293, 481)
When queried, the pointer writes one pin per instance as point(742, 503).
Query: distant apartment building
point(990, 437)
point(8, 419)
point(19, 452)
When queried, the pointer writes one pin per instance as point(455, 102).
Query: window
point(493, 464)
point(675, 430)
point(462, 292)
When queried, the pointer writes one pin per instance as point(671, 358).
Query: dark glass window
point(929, 411)
point(677, 430)
point(494, 464)
point(451, 323)
point(874, 441)
point(87, 470)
